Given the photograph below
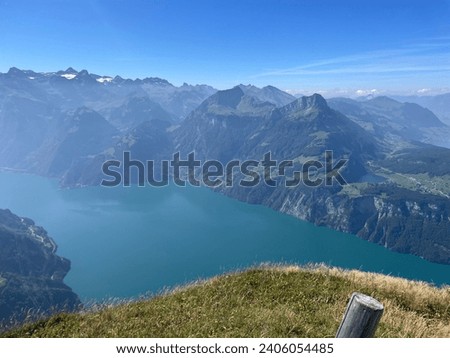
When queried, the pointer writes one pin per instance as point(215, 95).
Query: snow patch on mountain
point(68, 76)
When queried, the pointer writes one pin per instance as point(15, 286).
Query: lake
point(127, 242)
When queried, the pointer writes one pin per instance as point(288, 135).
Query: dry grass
point(412, 308)
point(272, 301)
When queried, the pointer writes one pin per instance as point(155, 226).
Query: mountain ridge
point(381, 156)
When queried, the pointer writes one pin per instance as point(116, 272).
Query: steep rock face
point(31, 274)
point(409, 222)
point(398, 219)
point(413, 223)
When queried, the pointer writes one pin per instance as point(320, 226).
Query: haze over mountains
point(393, 120)
point(439, 104)
point(67, 123)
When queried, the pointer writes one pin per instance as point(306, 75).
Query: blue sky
point(304, 46)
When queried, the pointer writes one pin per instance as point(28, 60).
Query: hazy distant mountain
point(31, 274)
point(135, 111)
point(36, 137)
point(150, 140)
point(25, 124)
point(71, 89)
point(439, 104)
point(268, 94)
point(393, 120)
point(177, 100)
point(81, 134)
point(49, 121)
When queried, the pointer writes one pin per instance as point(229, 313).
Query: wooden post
point(361, 317)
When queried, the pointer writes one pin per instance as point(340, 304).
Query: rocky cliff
point(31, 274)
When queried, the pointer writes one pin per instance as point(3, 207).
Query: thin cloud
point(428, 56)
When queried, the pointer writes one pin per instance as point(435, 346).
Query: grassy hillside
point(262, 302)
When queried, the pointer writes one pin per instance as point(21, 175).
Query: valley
point(66, 124)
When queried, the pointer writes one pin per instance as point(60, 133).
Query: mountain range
point(395, 121)
point(67, 123)
point(439, 104)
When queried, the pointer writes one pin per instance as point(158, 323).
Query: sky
point(328, 46)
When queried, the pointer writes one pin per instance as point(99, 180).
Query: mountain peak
point(305, 102)
point(316, 100)
point(71, 71)
point(118, 79)
point(269, 94)
point(383, 100)
point(306, 105)
point(228, 98)
point(246, 87)
point(270, 88)
point(235, 101)
point(85, 77)
point(15, 71)
point(156, 81)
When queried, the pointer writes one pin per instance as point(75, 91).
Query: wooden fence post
point(361, 317)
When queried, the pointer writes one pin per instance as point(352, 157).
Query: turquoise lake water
point(126, 242)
